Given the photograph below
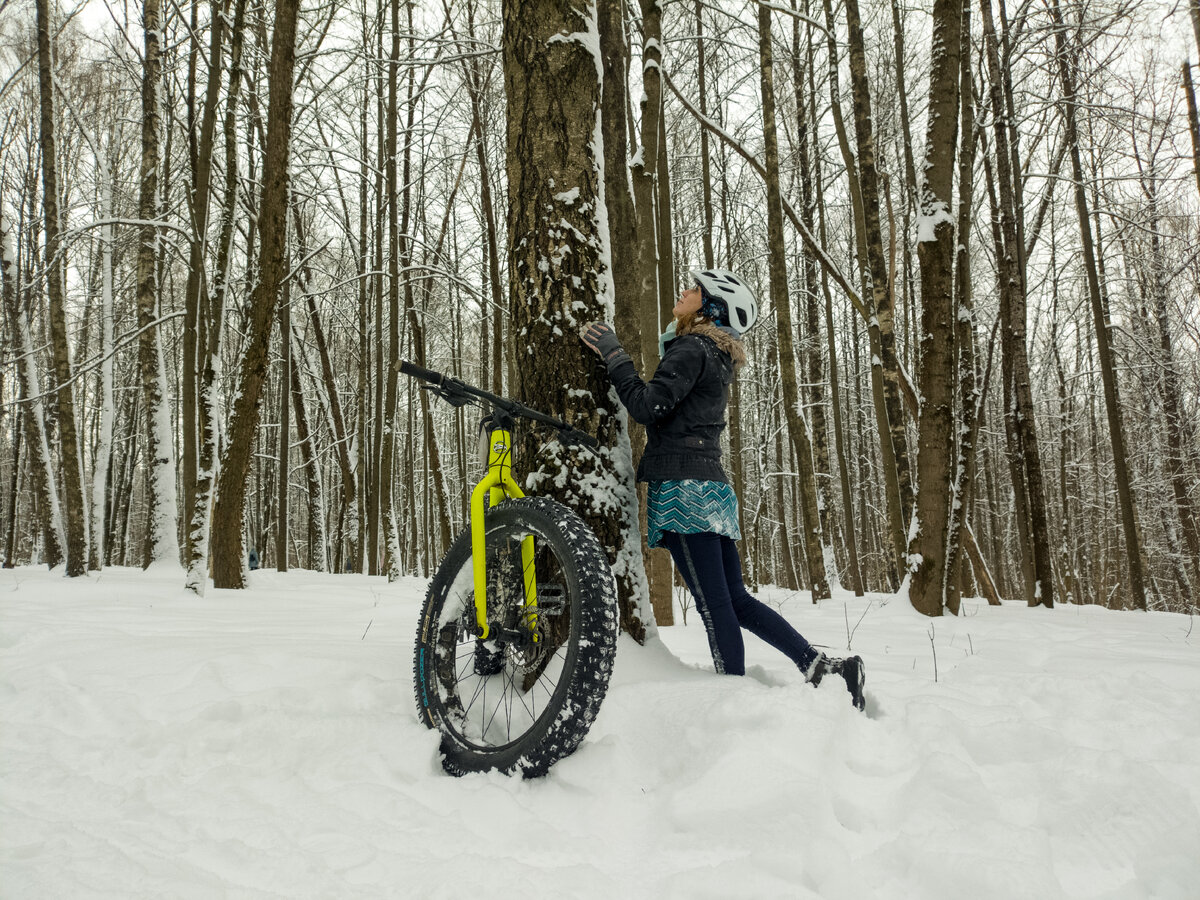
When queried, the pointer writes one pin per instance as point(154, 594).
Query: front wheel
point(523, 699)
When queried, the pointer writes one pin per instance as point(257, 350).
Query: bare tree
point(227, 546)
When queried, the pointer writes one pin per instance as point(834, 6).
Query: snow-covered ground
point(264, 744)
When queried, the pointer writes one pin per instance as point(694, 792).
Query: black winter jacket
point(683, 405)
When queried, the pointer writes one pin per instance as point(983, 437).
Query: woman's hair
point(688, 322)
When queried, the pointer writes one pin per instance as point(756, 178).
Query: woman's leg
point(758, 618)
point(698, 558)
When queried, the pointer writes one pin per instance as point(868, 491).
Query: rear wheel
point(524, 698)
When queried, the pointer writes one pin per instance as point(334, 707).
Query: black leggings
point(712, 570)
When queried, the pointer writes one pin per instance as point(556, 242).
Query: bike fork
point(498, 484)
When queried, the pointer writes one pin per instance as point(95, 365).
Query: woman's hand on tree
point(601, 339)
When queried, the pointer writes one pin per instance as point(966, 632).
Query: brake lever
point(451, 396)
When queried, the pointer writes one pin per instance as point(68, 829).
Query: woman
point(692, 508)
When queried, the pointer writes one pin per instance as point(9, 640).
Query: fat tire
point(591, 642)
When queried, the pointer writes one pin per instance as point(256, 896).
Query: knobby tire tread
point(562, 726)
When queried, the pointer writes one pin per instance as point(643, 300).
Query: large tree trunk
point(1112, 402)
point(227, 545)
point(629, 254)
point(211, 322)
point(194, 304)
point(76, 525)
point(781, 302)
point(559, 279)
point(964, 327)
point(160, 447)
point(935, 379)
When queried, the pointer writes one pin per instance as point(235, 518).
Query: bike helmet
point(727, 299)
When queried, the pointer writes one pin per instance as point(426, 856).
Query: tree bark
point(283, 518)
point(882, 295)
point(31, 409)
point(318, 551)
point(210, 323)
point(199, 195)
point(558, 276)
point(227, 545)
point(896, 522)
point(1026, 463)
point(935, 379)
point(623, 225)
point(964, 328)
point(160, 445)
point(76, 521)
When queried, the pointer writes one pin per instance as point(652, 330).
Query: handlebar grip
point(407, 368)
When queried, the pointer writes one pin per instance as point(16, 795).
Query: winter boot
point(852, 671)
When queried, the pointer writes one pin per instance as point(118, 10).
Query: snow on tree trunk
point(560, 276)
point(33, 412)
point(936, 373)
point(76, 518)
point(160, 448)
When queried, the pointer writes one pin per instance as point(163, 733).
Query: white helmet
point(721, 287)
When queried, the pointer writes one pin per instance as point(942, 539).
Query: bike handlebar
point(448, 386)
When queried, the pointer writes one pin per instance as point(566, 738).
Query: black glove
point(601, 339)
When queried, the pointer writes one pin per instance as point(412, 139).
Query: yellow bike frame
point(498, 485)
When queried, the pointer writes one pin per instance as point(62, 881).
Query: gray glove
point(601, 339)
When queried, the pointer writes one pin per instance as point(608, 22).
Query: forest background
point(975, 229)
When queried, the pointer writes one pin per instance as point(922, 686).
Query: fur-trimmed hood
point(727, 339)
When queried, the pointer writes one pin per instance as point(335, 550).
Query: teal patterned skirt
point(691, 507)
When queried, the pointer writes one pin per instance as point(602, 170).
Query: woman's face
point(689, 301)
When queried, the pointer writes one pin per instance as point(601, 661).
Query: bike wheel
point(525, 698)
